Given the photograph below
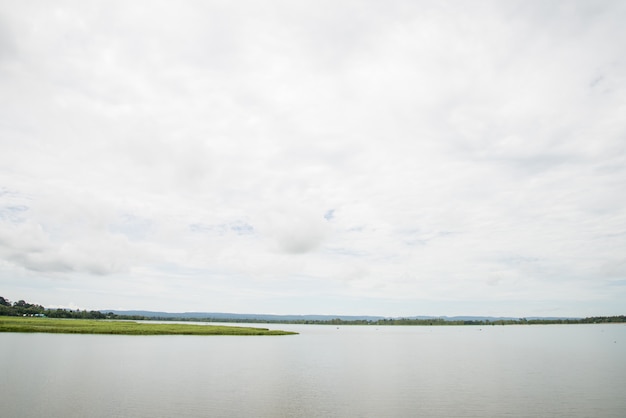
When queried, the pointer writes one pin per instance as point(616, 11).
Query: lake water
point(351, 371)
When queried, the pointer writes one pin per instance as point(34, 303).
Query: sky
point(390, 158)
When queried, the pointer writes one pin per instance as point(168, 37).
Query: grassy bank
point(85, 326)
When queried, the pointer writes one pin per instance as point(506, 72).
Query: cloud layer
point(315, 157)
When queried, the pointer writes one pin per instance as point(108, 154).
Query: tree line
point(413, 321)
point(22, 308)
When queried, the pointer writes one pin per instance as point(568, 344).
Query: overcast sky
point(332, 157)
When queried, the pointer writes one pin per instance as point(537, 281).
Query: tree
point(20, 304)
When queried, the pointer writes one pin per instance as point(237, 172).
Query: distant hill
point(279, 318)
point(234, 316)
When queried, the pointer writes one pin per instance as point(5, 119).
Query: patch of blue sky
point(198, 227)
point(242, 228)
point(345, 252)
point(617, 282)
point(237, 227)
point(4, 192)
point(414, 242)
point(360, 228)
point(133, 227)
point(416, 237)
point(14, 213)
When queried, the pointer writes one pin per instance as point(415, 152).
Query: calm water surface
point(496, 371)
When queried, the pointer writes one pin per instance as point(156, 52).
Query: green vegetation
point(403, 321)
point(85, 326)
point(520, 321)
point(22, 308)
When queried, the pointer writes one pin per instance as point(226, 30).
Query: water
point(495, 371)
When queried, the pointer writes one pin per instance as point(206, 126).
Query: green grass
point(89, 326)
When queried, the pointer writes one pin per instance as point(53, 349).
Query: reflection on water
point(351, 371)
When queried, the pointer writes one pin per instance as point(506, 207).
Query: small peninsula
point(86, 326)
